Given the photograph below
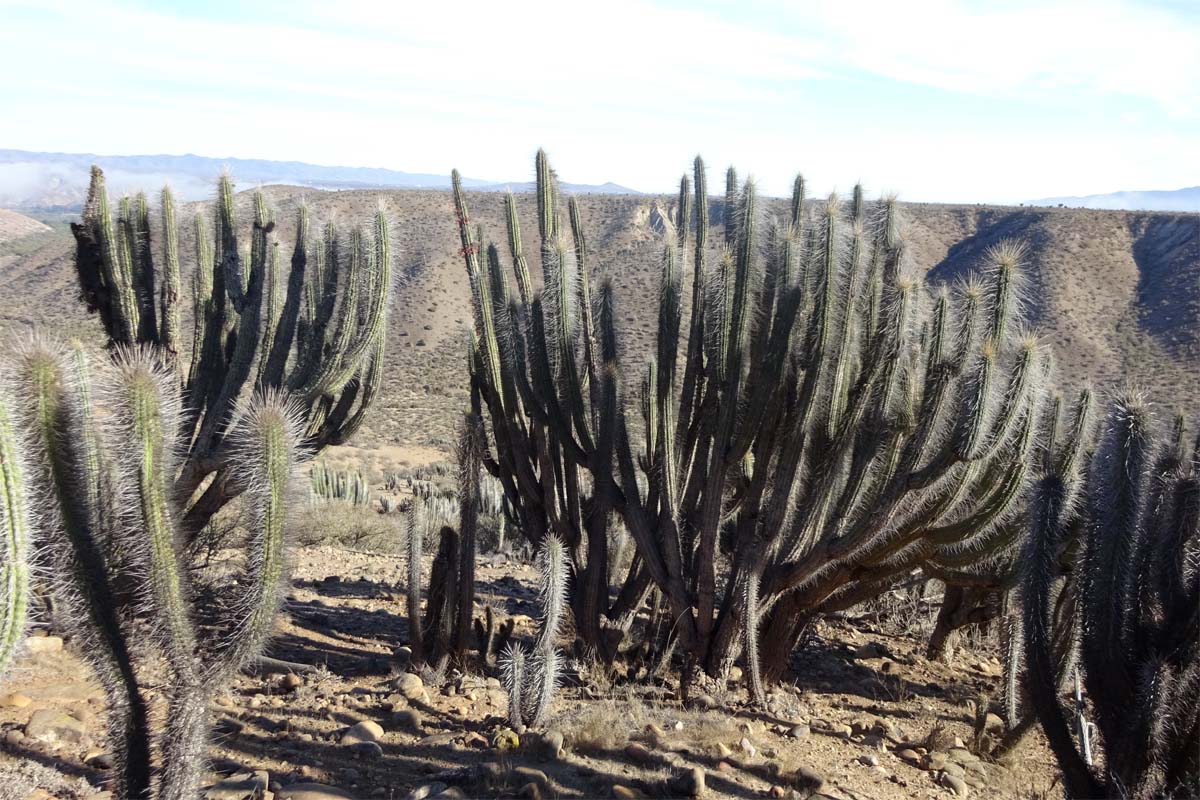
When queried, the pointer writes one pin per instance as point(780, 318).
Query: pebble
point(290, 682)
point(747, 747)
point(411, 686)
point(550, 745)
point(870, 650)
point(807, 779)
point(311, 791)
point(44, 644)
point(366, 750)
point(689, 783)
point(909, 755)
point(868, 760)
point(426, 790)
point(624, 792)
point(14, 700)
point(800, 731)
point(955, 784)
point(51, 725)
point(364, 731)
point(638, 753)
point(408, 720)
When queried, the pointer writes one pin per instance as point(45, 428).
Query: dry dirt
point(860, 690)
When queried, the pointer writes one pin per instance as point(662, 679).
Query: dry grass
point(345, 525)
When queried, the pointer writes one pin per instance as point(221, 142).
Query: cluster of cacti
point(100, 457)
point(443, 633)
point(316, 330)
point(1137, 555)
point(836, 425)
point(531, 679)
point(347, 485)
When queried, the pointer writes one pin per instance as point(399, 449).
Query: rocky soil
point(863, 715)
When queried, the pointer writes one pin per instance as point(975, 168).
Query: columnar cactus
point(837, 425)
point(1139, 609)
point(532, 679)
point(318, 333)
point(14, 529)
point(102, 471)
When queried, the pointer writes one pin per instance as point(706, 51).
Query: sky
point(936, 100)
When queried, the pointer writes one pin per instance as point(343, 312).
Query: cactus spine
point(107, 515)
point(532, 679)
point(842, 424)
point(14, 528)
point(1139, 595)
point(254, 329)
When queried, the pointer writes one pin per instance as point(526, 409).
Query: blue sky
point(945, 100)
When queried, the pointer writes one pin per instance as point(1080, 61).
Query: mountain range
point(57, 182)
point(1177, 200)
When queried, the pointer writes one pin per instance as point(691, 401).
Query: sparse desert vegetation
point(712, 495)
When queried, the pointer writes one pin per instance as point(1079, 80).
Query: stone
point(954, 784)
point(868, 760)
point(364, 731)
point(807, 780)
point(624, 792)
point(51, 725)
point(747, 747)
point(426, 790)
point(550, 745)
point(638, 753)
point(530, 791)
point(704, 702)
point(290, 682)
point(841, 730)
point(98, 760)
point(954, 769)
point(800, 731)
point(909, 755)
point(689, 783)
point(870, 650)
point(450, 793)
point(44, 644)
point(14, 700)
point(408, 720)
point(993, 722)
point(411, 686)
point(366, 750)
point(311, 791)
point(243, 786)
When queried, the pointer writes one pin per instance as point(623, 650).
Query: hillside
point(15, 226)
point(1117, 293)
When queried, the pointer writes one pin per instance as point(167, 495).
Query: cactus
point(532, 679)
point(1138, 606)
point(318, 333)
point(348, 486)
point(14, 528)
point(837, 426)
point(107, 516)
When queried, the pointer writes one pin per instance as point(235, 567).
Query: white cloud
point(626, 91)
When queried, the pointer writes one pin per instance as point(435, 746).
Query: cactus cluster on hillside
point(1138, 559)
point(825, 425)
point(346, 485)
point(99, 455)
point(315, 327)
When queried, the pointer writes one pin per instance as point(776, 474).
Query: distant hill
point(1115, 293)
point(1177, 200)
point(33, 181)
point(14, 226)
